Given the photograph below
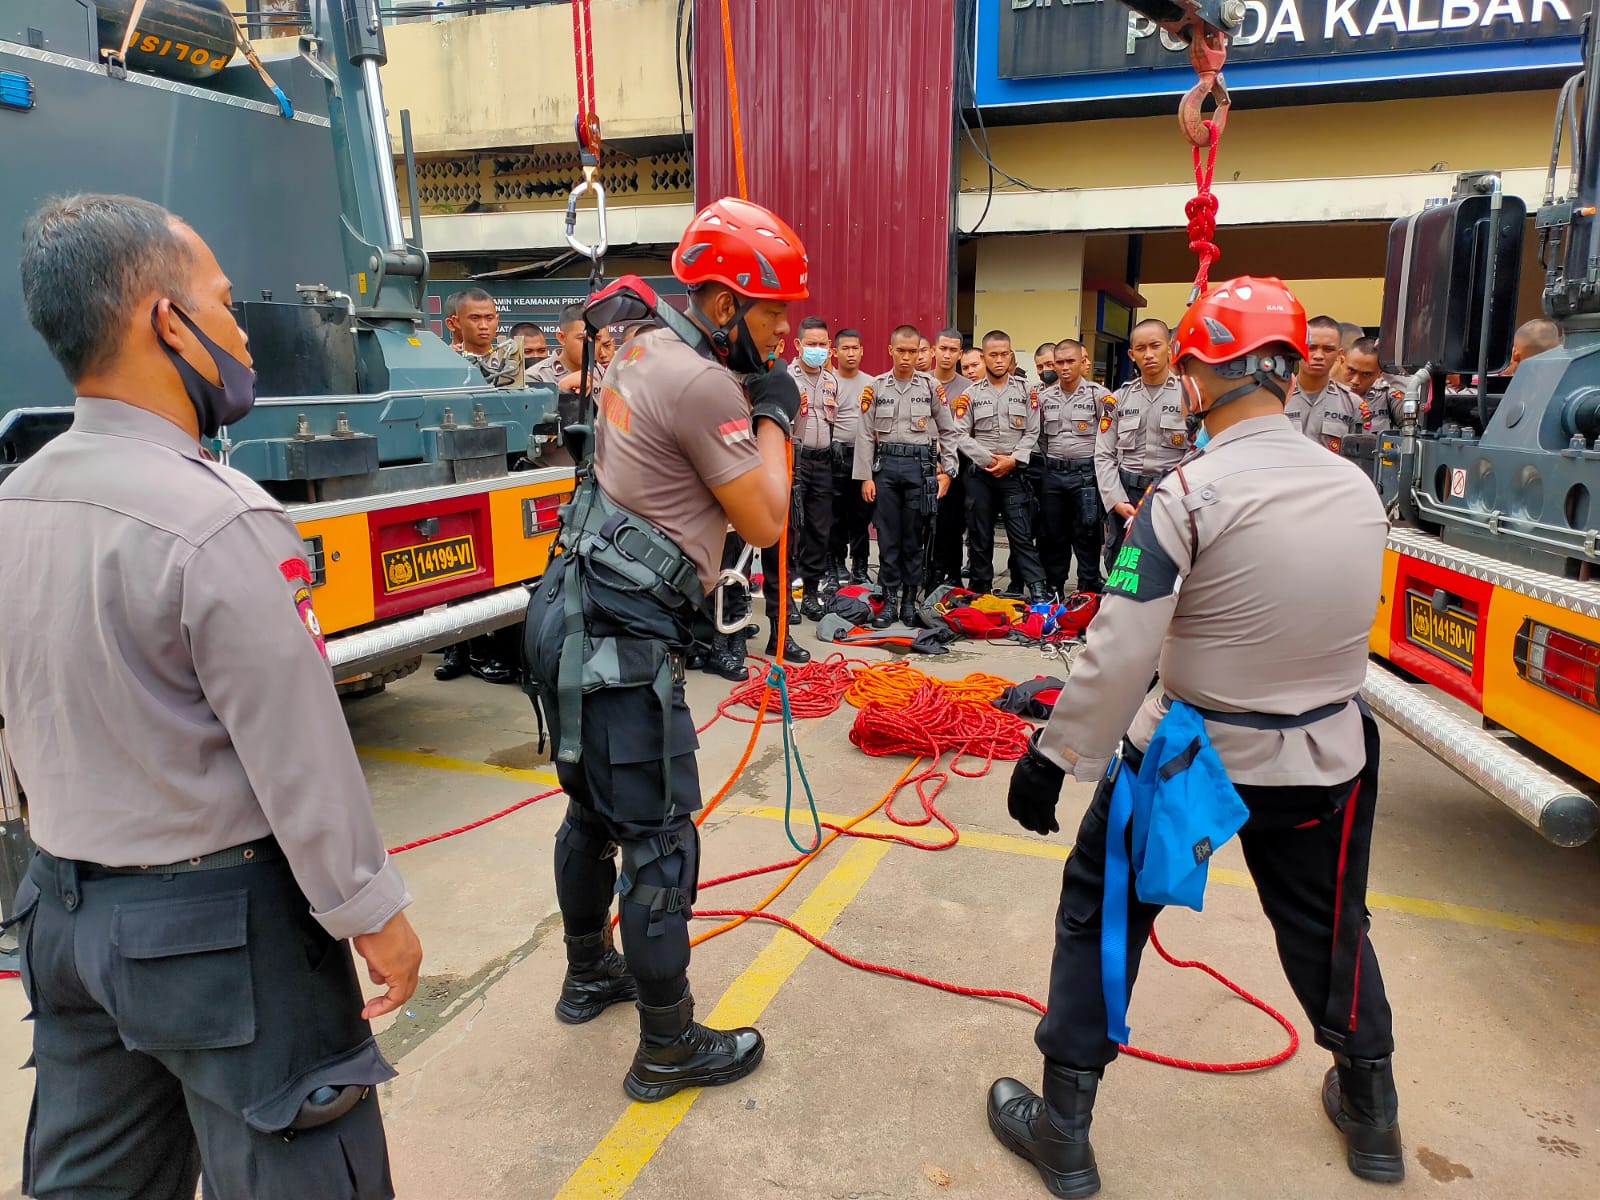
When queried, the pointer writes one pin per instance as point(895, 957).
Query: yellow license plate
point(1451, 634)
point(428, 562)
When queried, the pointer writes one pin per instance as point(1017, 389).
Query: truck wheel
point(373, 682)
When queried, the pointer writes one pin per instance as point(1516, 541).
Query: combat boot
point(1359, 1097)
point(726, 658)
point(1050, 1131)
point(890, 612)
point(908, 607)
point(810, 603)
point(1038, 593)
point(793, 652)
point(454, 663)
point(676, 1052)
point(597, 977)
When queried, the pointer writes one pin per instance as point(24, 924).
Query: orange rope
point(733, 101)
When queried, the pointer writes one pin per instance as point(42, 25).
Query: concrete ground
point(873, 1087)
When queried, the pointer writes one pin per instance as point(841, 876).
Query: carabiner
point(591, 183)
point(1207, 54)
point(734, 576)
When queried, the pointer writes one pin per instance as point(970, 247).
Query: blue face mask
point(1201, 438)
point(814, 356)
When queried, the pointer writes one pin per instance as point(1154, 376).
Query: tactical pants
point(1071, 523)
point(1307, 850)
point(1116, 524)
point(1008, 494)
point(618, 800)
point(1032, 475)
point(950, 533)
point(811, 513)
point(180, 1021)
point(901, 514)
point(847, 536)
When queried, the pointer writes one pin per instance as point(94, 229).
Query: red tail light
point(1559, 662)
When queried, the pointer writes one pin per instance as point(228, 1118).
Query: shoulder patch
point(960, 404)
point(938, 390)
point(866, 398)
point(298, 576)
point(1142, 570)
point(1105, 423)
point(1033, 397)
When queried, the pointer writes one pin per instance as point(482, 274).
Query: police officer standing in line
point(1072, 519)
point(205, 838)
point(813, 466)
point(1141, 431)
point(950, 523)
point(1377, 396)
point(1319, 406)
point(848, 545)
point(997, 427)
point(692, 435)
point(1224, 559)
point(905, 455)
point(972, 364)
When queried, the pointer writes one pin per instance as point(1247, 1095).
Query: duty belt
point(1135, 485)
point(1258, 720)
point(906, 449)
point(816, 451)
point(1078, 466)
point(262, 850)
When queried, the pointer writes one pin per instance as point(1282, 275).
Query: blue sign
point(1068, 51)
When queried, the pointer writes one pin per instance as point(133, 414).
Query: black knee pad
point(657, 888)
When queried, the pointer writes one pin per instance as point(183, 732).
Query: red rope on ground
point(450, 833)
point(816, 689)
point(1202, 212)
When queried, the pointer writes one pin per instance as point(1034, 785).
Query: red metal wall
point(847, 118)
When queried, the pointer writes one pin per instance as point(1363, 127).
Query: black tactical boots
point(676, 1052)
point(1359, 1097)
point(1050, 1131)
point(597, 977)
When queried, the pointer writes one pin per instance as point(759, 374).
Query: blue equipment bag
point(1181, 808)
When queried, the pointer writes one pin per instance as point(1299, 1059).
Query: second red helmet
point(1240, 317)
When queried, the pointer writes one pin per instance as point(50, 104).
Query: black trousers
point(1307, 850)
point(618, 800)
point(906, 489)
point(950, 532)
point(179, 1023)
point(1071, 523)
point(811, 513)
point(847, 537)
point(1116, 524)
point(1009, 496)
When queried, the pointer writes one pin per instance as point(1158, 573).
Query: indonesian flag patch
point(735, 431)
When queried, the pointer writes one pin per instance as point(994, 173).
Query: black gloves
point(1035, 788)
point(774, 396)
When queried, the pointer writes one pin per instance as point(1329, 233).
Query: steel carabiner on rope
point(591, 183)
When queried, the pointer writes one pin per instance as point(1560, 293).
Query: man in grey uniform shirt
point(1321, 407)
point(1250, 576)
point(205, 838)
point(848, 546)
point(1143, 432)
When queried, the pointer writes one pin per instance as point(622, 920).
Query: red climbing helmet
point(1238, 318)
point(748, 248)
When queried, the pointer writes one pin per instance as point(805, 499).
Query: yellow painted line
point(1436, 910)
point(438, 762)
point(616, 1162)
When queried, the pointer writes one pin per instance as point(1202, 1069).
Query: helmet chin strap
point(736, 353)
point(1259, 378)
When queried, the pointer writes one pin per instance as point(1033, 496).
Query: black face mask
point(1048, 377)
point(215, 405)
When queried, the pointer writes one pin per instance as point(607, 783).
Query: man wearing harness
point(1260, 528)
point(691, 436)
point(1141, 430)
point(905, 455)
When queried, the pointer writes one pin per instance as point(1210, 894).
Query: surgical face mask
point(215, 405)
point(1201, 438)
point(814, 357)
point(1048, 377)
